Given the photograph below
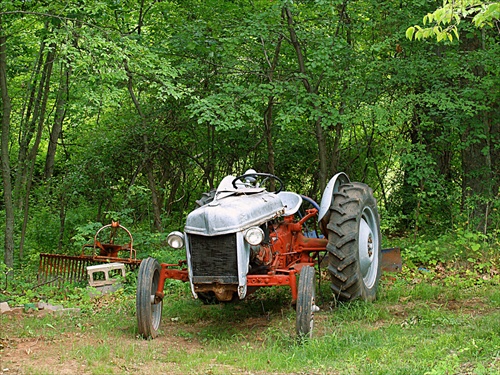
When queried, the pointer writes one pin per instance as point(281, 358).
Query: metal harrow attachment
point(56, 269)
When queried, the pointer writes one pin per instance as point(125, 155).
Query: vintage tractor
point(243, 237)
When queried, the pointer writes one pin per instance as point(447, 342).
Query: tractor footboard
point(288, 279)
point(169, 273)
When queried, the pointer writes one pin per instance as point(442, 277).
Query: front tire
point(354, 250)
point(148, 308)
point(306, 306)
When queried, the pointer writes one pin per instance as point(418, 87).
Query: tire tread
point(346, 281)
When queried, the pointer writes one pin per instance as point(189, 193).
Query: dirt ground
point(56, 354)
point(43, 355)
point(21, 355)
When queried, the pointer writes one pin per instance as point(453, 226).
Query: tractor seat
point(291, 201)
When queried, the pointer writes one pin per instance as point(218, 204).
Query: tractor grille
point(214, 259)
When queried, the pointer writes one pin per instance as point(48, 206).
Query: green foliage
point(167, 98)
point(85, 233)
point(461, 245)
point(447, 18)
point(22, 290)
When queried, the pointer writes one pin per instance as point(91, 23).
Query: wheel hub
point(368, 261)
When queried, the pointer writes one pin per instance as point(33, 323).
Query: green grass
point(424, 322)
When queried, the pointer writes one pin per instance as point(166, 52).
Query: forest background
point(130, 110)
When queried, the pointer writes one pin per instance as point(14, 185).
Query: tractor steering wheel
point(265, 176)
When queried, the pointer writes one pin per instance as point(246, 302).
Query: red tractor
point(243, 237)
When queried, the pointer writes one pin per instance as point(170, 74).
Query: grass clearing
point(422, 323)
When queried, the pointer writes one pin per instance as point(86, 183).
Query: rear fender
point(332, 187)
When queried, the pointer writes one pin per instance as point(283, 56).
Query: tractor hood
point(234, 212)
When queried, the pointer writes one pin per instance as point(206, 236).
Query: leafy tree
point(132, 109)
point(447, 18)
point(5, 157)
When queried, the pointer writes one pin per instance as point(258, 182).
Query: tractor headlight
point(254, 236)
point(176, 240)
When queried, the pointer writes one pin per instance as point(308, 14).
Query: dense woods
point(131, 109)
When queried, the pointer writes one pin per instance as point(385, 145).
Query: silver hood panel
point(234, 213)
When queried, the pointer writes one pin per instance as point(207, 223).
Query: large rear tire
point(306, 306)
point(148, 308)
point(354, 238)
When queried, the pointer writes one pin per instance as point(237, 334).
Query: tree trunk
point(268, 126)
point(7, 183)
point(28, 175)
point(319, 132)
point(58, 124)
point(268, 113)
point(477, 176)
point(477, 164)
point(154, 197)
point(28, 124)
point(62, 220)
point(209, 167)
point(494, 131)
point(408, 189)
point(148, 162)
point(175, 183)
